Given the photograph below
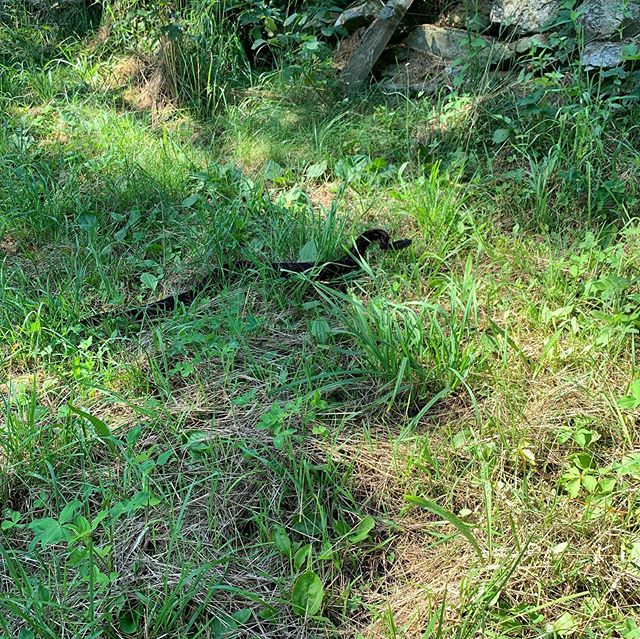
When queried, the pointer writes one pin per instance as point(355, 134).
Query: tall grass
point(231, 467)
point(204, 58)
point(418, 351)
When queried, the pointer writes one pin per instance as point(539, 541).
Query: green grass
point(254, 465)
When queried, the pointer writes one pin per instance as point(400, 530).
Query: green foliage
point(588, 478)
point(307, 594)
point(238, 467)
point(207, 47)
point(293, 34)
point(204, 59)
point(421, 351)
point(456, 522)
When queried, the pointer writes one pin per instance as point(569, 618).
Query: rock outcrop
point(452, 44)
point(609, 19)
point(602, 34)
point(529, 44)
point(606, 55)
point(525, 16)
point(474, 16)
point(359, 16)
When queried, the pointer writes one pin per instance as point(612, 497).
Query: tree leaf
point(307, 594)
point(139, 501)
point(272, 170)
point(628, 402)
point(315, 171)
point(69, 511)
point(573, 487)
point(100, 427)
point(632, 400)
point(564, 625)
point(584, 460)
point(245, 399)
point(281, 540)
point(606, 485)
point(191, 200)
point(129, 622)
point(302, 554)
point(320, 329)
point(242, 616)
point(630, 465)
point(149, 280)
point(48, 531)
point(590, 483)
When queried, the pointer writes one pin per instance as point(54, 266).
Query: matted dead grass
point(418, 70)
point(564, 554)
point(422, 578)
point(346, 48)
point(8, 245)
point(424, 575)
point(146, 84)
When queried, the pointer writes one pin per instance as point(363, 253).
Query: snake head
point(364, 240)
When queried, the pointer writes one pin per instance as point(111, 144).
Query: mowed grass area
point(447, 446)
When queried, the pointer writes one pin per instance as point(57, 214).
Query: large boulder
point(610, 19)
point(359, 16)
point(451, 44)
point(525, 16)
point(606, 55)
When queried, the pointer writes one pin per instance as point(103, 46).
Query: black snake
point(326, 272)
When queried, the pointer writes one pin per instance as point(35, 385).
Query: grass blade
point(448, 516)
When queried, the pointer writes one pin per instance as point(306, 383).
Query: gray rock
point(606, 55)
point(468, 14)
point(359, 16)
point(450, 44)
point(525, 16)
point(529, 43)
point(606, 19)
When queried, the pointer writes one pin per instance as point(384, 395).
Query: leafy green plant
point(580, 433)
point(275, 420)
point(585, 475)
point(278, 417)
point(307, 594)
point(134, 450)
point(631, 401)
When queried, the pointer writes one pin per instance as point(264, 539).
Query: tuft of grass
point(420, 351)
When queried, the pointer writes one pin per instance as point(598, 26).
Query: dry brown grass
point(418, 70)
point(346, 48)
point(147, 84)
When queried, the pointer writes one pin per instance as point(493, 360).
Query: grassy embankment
point(440, 449)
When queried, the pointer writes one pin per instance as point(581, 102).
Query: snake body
point(351, 261)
